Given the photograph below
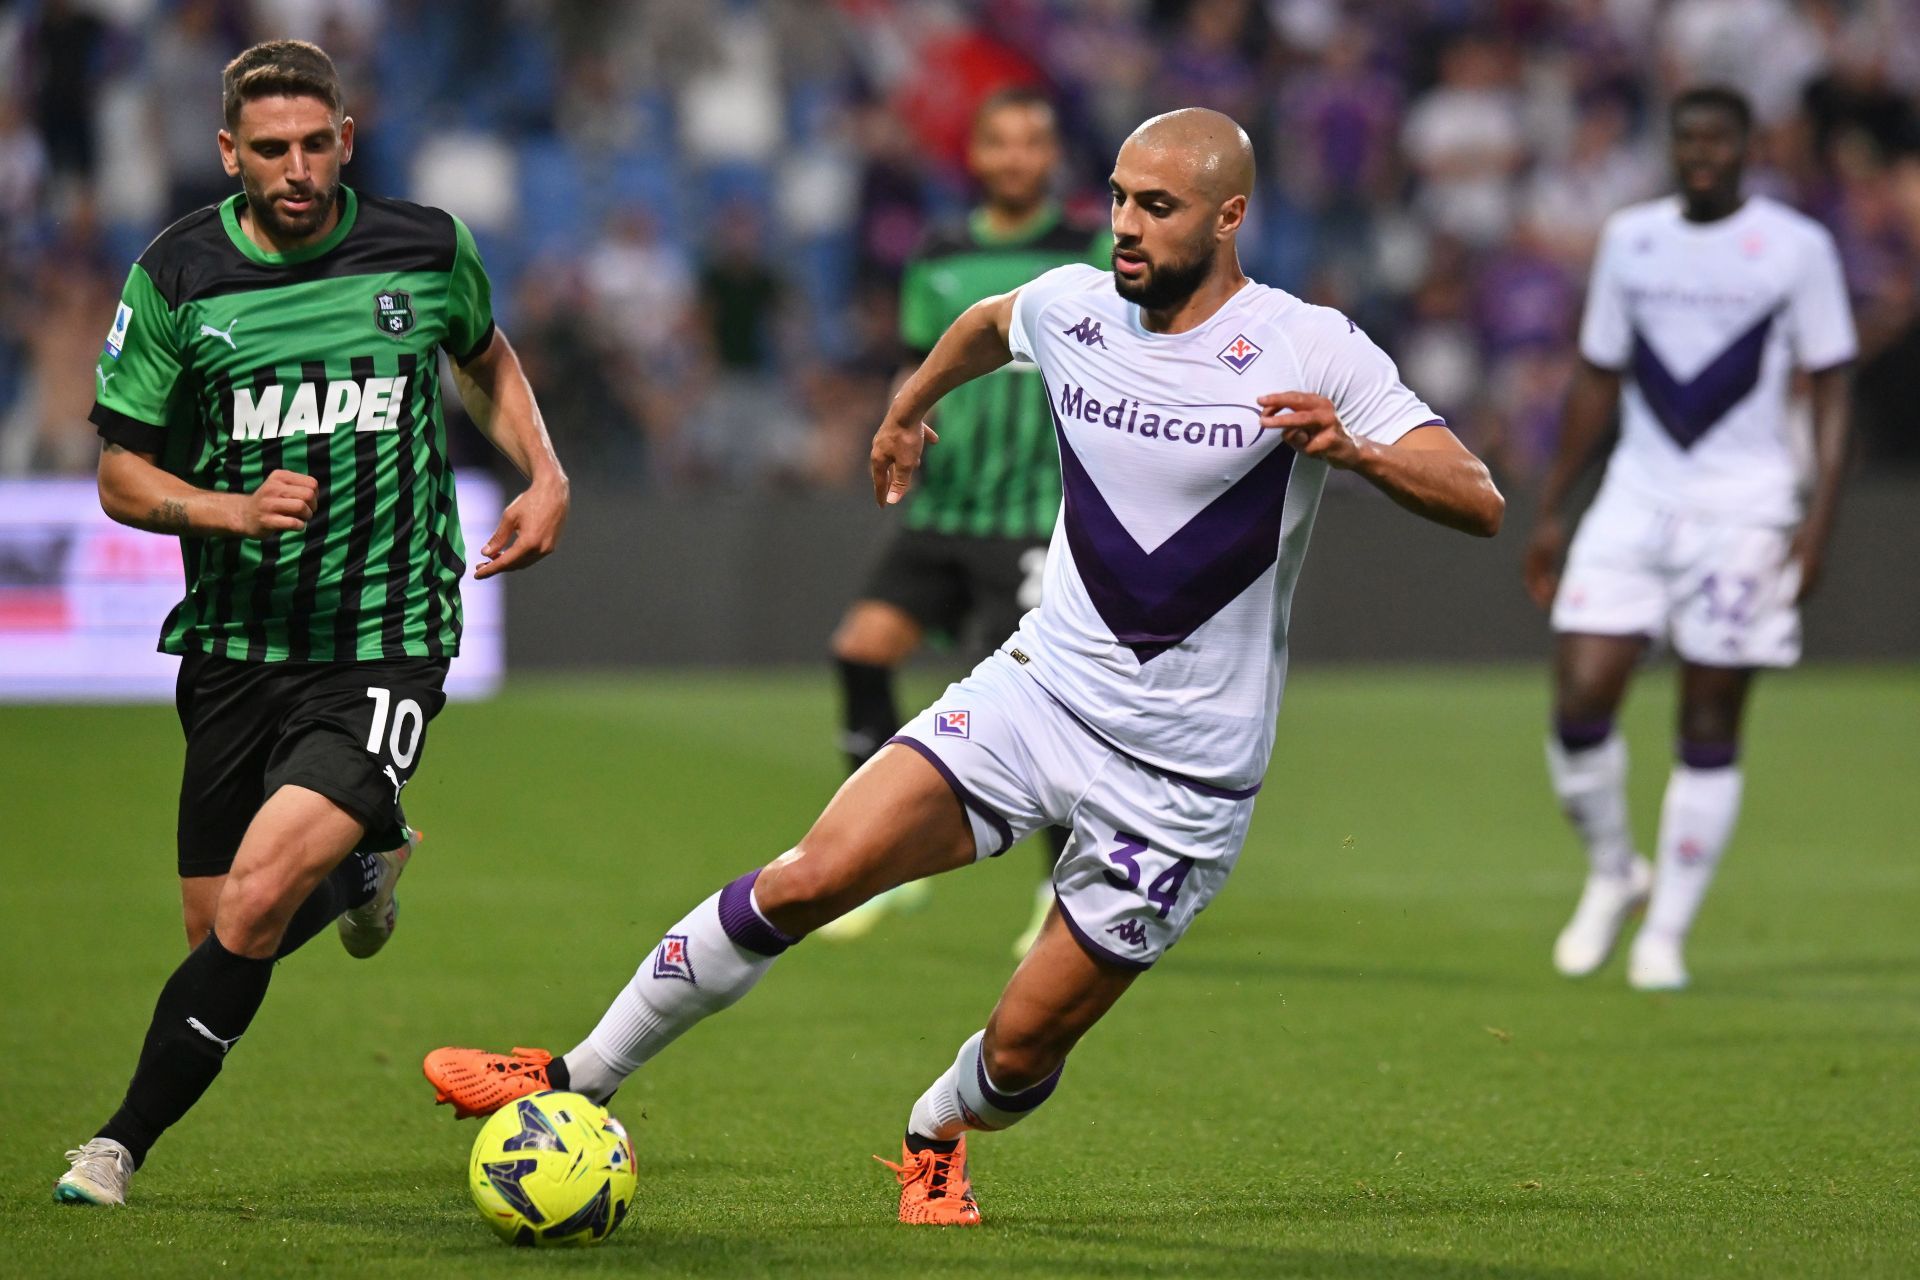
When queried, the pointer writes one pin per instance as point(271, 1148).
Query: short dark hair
point(1013, 95)
point(1720, 98)
point(279, 69)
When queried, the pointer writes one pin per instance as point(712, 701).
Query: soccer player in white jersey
point(1703, 304)
point(1197, 414)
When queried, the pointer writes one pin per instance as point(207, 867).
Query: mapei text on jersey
point(318, 409)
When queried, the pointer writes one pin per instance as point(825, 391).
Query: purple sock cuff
point(1582, 735)
point(1708, 755)
point(744, 924)
point(1026, 1099)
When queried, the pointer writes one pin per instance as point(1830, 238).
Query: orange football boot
point(934, 1189)
point(479, 1083)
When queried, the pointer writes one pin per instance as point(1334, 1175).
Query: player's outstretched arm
point(135, 490)
point(1591, 401)
point(500, 401)
point(1427, 471)
point(974, 345)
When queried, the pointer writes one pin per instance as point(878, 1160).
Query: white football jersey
point(1163, 620)
point(1707, 322)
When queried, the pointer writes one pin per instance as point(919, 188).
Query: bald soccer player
point(1197, 414)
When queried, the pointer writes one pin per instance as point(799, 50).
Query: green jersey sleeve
point(139, 392)
point(469, 300)
point(921, 321)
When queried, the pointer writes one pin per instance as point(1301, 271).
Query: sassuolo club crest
point(393, 312)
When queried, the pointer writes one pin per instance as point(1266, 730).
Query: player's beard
point(268, 218)
point(1168, 284)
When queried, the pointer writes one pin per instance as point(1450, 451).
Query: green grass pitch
point(1359, 1063)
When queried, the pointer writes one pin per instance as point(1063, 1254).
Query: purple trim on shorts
point(1708, 755)
point(744, 923)
point(1026, 1099)
point(967, 799)
point(1098, 951)
point(1178, 779)
point(1581, 735)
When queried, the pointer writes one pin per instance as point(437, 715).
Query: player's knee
point(806, 881)
point(253, 911)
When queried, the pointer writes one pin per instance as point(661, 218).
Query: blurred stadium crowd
point(695, 212)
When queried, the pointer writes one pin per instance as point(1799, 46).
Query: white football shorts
point(1721, 591)
point(1149, 849)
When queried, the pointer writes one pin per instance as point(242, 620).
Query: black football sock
point(206, 1005)
point(1057, 838)
point(351, 884)
point(916, 1143)
point(868, 714)
point(558, 1077)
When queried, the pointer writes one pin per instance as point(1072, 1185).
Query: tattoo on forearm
point(170, 514)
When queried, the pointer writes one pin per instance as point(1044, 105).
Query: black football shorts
point(352, 731)
point(971, 591)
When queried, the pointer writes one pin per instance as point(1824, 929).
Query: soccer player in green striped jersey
point(974, 529)
point(270, 392)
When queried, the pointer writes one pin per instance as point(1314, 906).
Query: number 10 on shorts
point(1164, 891)
point(408, 723)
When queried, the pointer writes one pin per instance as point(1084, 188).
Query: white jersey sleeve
point(1606, 330)
point(1033, 298)
point(1342, 363)
point(1819, 318)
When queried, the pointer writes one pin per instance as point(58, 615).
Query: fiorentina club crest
point(670, 959)
point(1239, 354)
point(393, 311)
point(950, 724)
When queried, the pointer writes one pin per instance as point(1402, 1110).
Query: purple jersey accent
point(1708, 755)
point(967, 799)
point(744, 923)
point(1026, 1099)
point(1094, 947)
point(1688, 410)
point(1153, 600)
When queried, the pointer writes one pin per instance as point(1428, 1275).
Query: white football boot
point(1655, 963)
point(1606, 904)
point(861, 921)
point(100, 1173)
point(365, 929)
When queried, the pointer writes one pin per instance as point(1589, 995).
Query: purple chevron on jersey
point(1688, 410)
point(1155, 599)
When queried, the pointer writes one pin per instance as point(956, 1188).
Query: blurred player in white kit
point(1703, 305)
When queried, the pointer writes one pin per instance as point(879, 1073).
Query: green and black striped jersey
point(229, 362)
point(996, 471)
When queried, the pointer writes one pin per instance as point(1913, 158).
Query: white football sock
point(1696, 822)
point(964, 1098)
point(1592, 787)
point(703, 964)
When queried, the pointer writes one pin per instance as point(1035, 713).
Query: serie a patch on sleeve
point(117, 336)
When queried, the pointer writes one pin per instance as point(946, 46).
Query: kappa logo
point(672, 960)
point(1131, 932)
point(1087, 332)
point(1240, 353)
point(225, 335)
point(952, 724)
